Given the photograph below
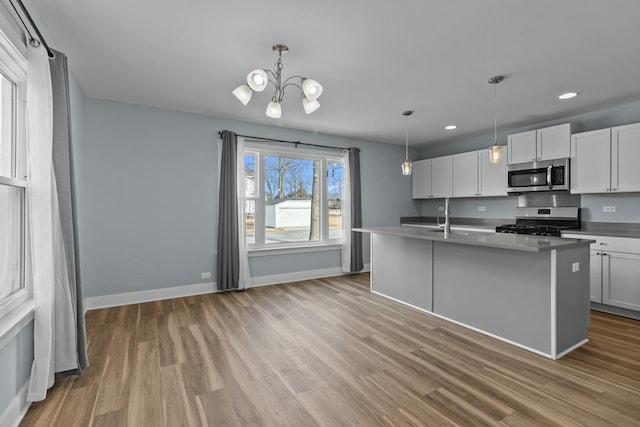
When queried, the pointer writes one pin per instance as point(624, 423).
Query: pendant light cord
point(495, 113)
point(406, 152)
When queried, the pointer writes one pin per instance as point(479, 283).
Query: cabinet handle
point(607, 189)
point(614, 189)
point(598, 253)
point(603, 244)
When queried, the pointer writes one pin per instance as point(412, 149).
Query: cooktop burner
point(543, 221)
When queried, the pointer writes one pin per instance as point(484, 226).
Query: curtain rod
point(32, 40)
point(296, 143)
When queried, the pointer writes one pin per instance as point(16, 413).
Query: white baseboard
point(12, 416)
point(297, 276)
point(137, 297)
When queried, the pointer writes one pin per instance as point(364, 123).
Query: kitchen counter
point(529, 291)
point(517, 242)
point(612, 229)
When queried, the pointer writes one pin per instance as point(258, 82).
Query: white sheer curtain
point(53, 314)
point(346, 217)
point(244, 280)
point(40, 172)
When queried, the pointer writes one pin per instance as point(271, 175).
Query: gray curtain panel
point(228, 267)
point(357, 264)
point(64, 176)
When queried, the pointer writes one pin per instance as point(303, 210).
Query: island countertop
point(517, 242)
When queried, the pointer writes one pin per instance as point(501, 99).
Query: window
point(293, 197)
point(13, 185)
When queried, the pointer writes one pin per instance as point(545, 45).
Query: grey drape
point(64, 176)
point(228, 266)
point(357, 263)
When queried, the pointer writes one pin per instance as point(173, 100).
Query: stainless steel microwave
point(547, 175)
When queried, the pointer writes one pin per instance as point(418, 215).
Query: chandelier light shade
point(243, 93)
point(495, 151)
point(407, 166)
point(258, 79)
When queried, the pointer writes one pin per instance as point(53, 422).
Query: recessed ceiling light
point(451, 127)
point(568, 95)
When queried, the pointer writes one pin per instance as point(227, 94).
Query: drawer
point(609, 243)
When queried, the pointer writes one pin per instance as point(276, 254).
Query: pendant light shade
point(407, 166)
point(311, 88)
point(274, 110)
point(495, 151)
point(257, 80)
point(243, 93)
point(310, 105)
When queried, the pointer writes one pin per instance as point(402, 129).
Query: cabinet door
point(421, 179)
point(493, 176)
point(522, 147)
point(590, 162)
point(553, 142)
point(621, 280)
point(595, 276)
point(625, 152)
point(442, 176)
point(465, 174)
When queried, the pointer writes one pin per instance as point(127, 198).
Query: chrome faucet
point(447, 224)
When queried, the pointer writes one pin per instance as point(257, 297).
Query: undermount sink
point(464, 233)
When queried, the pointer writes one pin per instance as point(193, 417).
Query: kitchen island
point(530, 291)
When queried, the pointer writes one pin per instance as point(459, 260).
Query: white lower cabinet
point(615, 270)
point(595, 276)
point(621, 280)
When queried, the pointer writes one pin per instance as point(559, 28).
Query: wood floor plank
point(328, 352)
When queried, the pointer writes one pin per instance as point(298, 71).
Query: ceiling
point(374, 58)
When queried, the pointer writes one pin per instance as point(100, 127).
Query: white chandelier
point(257, 81)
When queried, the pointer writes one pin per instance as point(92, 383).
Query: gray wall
point(627, 205)
point(16, 358)
point(147, 197)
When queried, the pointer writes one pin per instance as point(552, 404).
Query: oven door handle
point(549, 168)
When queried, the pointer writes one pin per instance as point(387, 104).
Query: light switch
point(575, 267)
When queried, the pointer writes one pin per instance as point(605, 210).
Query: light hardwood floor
point(328, 352)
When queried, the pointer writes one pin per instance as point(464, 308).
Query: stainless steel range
point(543, 221)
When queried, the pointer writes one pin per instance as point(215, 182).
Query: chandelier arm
point(291, 84)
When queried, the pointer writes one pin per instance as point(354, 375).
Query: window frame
point(13, 66)
point(261, 150)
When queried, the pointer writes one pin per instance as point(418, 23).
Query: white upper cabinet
point(474, 175)
point(625, 154)
point(421, 179)
point(554, 142)
point(465, 174)
point(522, 147)
point(591, 162)
point(442, 176)
point(548, 143)
point(606, 160)
point(493, 176)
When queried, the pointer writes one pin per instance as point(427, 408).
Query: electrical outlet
point(608, 209)
point(440, 208)
point(206, 275)
point(575, 267)
point(482, 208)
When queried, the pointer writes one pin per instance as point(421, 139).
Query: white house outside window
point(293, 197)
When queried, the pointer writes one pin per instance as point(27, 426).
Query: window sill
point(266, 251)
point(14, 321)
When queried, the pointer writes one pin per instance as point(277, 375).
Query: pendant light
point(407, 165)
point(495, 151)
